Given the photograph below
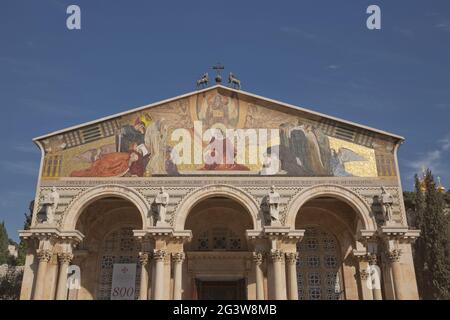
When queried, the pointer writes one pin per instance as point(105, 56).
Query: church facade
point(220, 194)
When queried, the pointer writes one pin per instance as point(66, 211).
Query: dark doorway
point(221, 290)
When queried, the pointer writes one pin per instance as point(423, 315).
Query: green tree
point(4, 241)
point(10, 284)
point(431, 248)
point(22, 248)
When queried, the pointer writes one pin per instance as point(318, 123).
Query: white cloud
point(444, 25)
point(333, 66)
point(437, 160)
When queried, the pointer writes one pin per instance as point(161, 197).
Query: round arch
point(361, 208)
point(211, 191)
point(103, 191)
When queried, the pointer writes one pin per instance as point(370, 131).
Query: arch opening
point(325, 267)
point(218, 251)
point(218, 224)
point(108, 225)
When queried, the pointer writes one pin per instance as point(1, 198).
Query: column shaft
point(177, 280)
point(158, 291)
point(291, 259)
point(394, 257)
point(143, 260)
point(44, 257)
point(277, 258)
point(375, 276)
point(64, 260)
point(258, 258)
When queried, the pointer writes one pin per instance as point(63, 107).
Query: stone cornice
point(195, 255)
point(166, 233)
point(401, 233)
point(41, 232)
point(241, 181)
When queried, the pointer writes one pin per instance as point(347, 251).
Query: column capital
point(364, 275)
point(159, 255)
point(372, 258)
point(258, 257)
point(143, 258)
point(44, 255)
point(65, 257)
point(394, 255)
point(276, 255)
point(178, 257)
point(292, 257)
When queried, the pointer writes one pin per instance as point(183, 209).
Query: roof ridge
point(284, 104)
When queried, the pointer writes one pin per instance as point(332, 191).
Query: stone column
point(258, 258)
point(291, 259)
point(158, 289)
point(364, 276)
point(277, 258)
point(44, 256)
point(394, 259)
point(143, 261)
point(177, 259)
point(64, 259)
point(375, 275)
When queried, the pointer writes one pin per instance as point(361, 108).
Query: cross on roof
point(218, 67)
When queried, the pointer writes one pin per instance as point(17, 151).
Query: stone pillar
point(291, 259)
point(44, 256)
point(143, 261)
point(258, 258)
point(158, 289)
point(177, 259)
point(64, 259)
point(365, 280)
point(394, 259)
point(375, 275)
point(277, 258)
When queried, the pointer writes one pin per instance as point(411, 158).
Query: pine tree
point(431, 259)
point(4, 241)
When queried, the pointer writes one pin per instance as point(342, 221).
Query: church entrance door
point(221, 290)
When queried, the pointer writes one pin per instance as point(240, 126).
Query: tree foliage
point(22, 248)
point(10, 284)
point(431, 250)
point(4, 242)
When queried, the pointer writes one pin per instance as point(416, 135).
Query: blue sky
point(316, 54)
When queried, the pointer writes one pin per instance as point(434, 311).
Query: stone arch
point(217, 190)
point(361, 208)
point(77, 206)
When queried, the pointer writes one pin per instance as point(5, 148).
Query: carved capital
point(372, 258)
point(364, 275)
point(258, 257)
point(178, 257)
point(143, 258)
point(394, 255)
point(276, 255)
point(65, 257)
point(159, 255)
point(292, 257)
point(44, 255)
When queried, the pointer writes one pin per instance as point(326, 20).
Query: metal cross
point(218, 67)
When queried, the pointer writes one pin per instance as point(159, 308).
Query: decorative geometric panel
point(319, 266)
point(218, 239)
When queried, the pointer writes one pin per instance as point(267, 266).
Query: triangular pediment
point(144, 141)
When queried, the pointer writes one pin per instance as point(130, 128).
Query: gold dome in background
point(440, 187)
